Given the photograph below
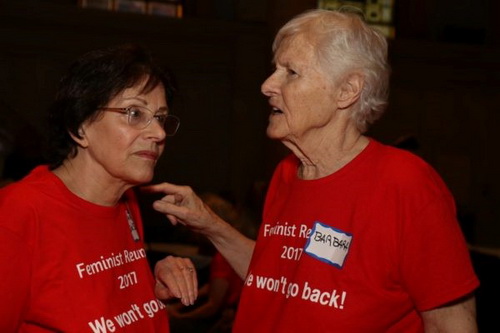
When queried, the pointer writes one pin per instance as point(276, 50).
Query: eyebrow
point(143, 101)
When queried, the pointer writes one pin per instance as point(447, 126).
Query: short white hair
point(346, 43)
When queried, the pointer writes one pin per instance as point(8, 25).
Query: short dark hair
point(89, 84)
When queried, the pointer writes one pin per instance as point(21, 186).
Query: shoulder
point(19, 201)
point(290, 162)
point(401, 168)
point(397, 159)
point(287, 167)
point(26, 188)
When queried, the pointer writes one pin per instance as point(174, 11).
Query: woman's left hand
point(176, 277)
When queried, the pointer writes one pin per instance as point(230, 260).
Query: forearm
point(458, 317)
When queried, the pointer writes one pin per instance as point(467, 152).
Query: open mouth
point(276, 111)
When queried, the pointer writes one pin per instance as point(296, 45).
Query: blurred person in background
point(215, 308)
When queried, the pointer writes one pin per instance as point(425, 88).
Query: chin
point(274, 134)
point(142, 178)
point(148, 178)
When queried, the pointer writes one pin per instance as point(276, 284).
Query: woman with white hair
point(356, 236)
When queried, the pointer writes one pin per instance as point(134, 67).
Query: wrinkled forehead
point(314, 30)
point(297, 43)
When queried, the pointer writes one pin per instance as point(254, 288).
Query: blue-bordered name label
point(328, 244)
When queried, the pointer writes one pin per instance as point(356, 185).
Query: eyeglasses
point(140, 117)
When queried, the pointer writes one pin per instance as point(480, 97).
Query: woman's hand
point(182, 205)
point(176, 277)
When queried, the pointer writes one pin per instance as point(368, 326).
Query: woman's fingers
point(176, 277)
point(166, 188)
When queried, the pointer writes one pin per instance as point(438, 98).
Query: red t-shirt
point(220, 269)
point(68, 265)
point(362, 250)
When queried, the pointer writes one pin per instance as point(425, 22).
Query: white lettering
point(268, 283)
point(80, 269)
point(304, 231)
point(134, 255)
point(125, 318)
point(127, 280)
point(249, 279)
point(103, 264)
point(152, 307)
point(280, 230)
point(102, 325)
point(324, 298)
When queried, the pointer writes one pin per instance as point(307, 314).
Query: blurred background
point(445, 58)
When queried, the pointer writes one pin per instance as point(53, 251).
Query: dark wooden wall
point(218, 66)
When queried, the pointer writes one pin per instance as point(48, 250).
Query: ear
point(80, 139)
point(350, 90)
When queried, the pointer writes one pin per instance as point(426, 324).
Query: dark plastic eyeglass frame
point(127, 112)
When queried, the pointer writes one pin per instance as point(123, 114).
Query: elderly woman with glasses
point(71, 240)
point(356, 236)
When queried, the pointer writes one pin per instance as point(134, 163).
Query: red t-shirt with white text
point(362, 250)
point(68, 265)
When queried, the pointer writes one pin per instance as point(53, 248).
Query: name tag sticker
point(328, 244)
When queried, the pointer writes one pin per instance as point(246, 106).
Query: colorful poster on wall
point(378, 13)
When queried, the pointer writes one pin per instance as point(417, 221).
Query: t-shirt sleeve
point(436, 267)
point(15, 264)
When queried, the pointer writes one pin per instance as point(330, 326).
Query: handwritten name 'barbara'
point(330, 240)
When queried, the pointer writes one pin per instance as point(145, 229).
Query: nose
point(155, 131)
point(270, 86)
